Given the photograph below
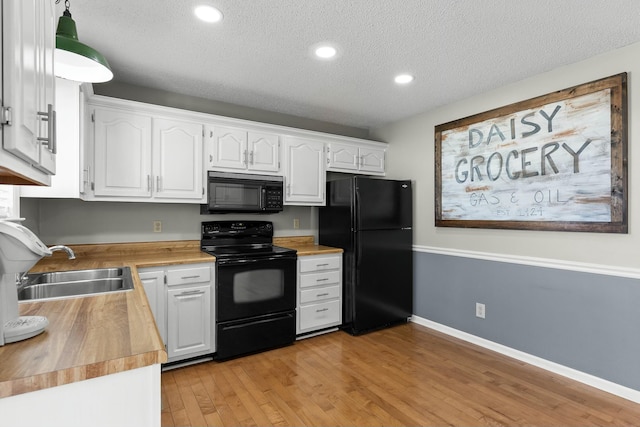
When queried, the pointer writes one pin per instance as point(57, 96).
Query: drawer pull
point(322, 280)
point(186, 293)
point(321, 310)
point(190, 277)
point(323, 295)
point(322, 265)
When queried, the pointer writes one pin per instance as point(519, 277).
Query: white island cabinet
point(128, 398)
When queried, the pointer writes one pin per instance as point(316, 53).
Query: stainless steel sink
point(65, 284)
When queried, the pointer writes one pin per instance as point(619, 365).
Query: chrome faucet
point(67, 249)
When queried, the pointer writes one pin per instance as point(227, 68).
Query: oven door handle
point(253, 260)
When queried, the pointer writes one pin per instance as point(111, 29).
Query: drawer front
point(317, 316)
point(319, 294)
point(318, 279)
point(316, 264)
point(187, 275)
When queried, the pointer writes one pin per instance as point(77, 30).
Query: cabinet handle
point(361, 160)
point(50, 117)
point(189, 293)
point(190, 277)
point(322, 280)
point(149, 183)
point(86, 177)
point(245, 157)
point(322, 265)
point(158, 183)
point(321, 310)
point(210, 158)
point(326, 294)
point(251, 158)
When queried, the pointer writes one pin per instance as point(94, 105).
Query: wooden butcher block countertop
point(305, 245)
point(98, 335)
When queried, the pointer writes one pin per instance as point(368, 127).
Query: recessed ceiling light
point(325, 51)
point(208, 13)
point(403, 79)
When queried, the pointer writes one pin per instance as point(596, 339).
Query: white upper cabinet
point(177, 159)
point(356, 158)
point(28, 132)
point(66, 183)
point(133, 151)
point(305, 174)
point(138, 155)
point(264, 152)
point(122, 154)
point(236, 149)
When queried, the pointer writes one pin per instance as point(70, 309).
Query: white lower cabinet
point(153, 282)
point(319, 293)
point(184, 307)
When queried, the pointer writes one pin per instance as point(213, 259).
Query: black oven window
point(258, 285)
point(232, 194)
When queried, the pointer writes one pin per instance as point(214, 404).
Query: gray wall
point(191, 103)
point(64, 221)
point(588, 322)
point(585, 321)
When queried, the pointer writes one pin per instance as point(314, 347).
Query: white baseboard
point(588, 379)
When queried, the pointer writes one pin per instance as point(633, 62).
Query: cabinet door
point(20, 68)
point(304, 172)
point(153, 282)
point(264, 152)
point(372, 160)
point(122, 153)
point(189, 320)
point(46, 86)
point(228, 148)
point(342, 157)
point(177, 160)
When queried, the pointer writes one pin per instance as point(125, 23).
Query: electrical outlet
point(296, 223)
point(480, 310)
point(157, 226)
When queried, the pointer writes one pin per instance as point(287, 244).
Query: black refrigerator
point(371, 219)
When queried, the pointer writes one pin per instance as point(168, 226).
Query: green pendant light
point(75, 60)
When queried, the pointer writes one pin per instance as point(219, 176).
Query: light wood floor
point(406, 375)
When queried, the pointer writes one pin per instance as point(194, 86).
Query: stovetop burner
point(245, 250)
point(240, 239)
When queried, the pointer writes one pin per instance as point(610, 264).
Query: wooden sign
point(555, 162)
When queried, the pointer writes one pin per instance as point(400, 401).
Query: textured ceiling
point(258, 56)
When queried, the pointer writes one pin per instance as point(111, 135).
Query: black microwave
point(243, 193)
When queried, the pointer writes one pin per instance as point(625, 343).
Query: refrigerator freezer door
point(383, 291)
point(383, 204)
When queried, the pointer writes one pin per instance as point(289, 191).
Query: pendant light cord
point(66, 5)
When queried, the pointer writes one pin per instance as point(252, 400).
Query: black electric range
point(255, 290)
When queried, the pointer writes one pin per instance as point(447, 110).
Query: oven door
point(250, 287)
